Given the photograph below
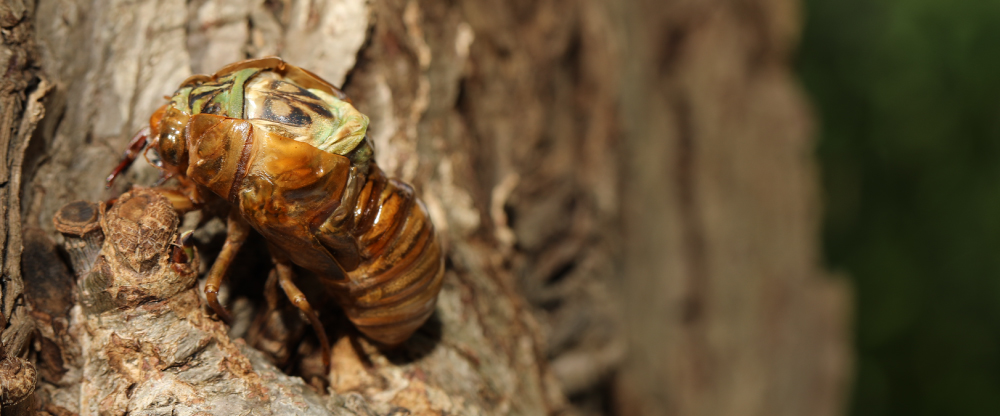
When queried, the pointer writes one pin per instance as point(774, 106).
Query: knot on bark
point(137, 265)
point(140, 226)
point(17, 380)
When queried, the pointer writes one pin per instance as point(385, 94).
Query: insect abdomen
point(394, 287)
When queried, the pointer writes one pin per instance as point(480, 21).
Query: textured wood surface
point(147, 344)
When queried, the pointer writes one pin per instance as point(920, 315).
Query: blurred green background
point(908, 94)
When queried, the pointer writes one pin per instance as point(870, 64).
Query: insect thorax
point(280, 106)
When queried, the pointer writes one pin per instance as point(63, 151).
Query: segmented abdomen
point(394, 287)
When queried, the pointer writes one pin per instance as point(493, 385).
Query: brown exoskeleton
point(290, 154)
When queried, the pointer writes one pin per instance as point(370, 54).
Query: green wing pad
point(223, 96)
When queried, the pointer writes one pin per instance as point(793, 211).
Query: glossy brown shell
point(368, 237)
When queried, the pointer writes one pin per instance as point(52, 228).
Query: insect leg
point(236, 233)
point(299, 299)
point(135, 146)
point(179, 199)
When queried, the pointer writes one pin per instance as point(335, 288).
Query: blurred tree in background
point(907, 93)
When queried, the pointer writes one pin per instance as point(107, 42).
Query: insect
point(290, 154)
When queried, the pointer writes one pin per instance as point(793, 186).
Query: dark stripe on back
point(295, 116)
point(317, 108)
point(205, 95)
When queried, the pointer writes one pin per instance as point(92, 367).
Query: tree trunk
point(625, 192)
point(728, 310)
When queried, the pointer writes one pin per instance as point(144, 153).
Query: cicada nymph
point(290, 153)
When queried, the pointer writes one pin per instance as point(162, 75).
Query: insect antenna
point(135, 146)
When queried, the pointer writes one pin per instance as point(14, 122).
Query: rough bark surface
point(624, 189)
point(146, 343)
point(21, 109)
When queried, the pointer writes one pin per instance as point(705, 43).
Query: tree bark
point(625, 193)
point(146, 342)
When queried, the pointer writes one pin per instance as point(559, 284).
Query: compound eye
point(171, 150)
